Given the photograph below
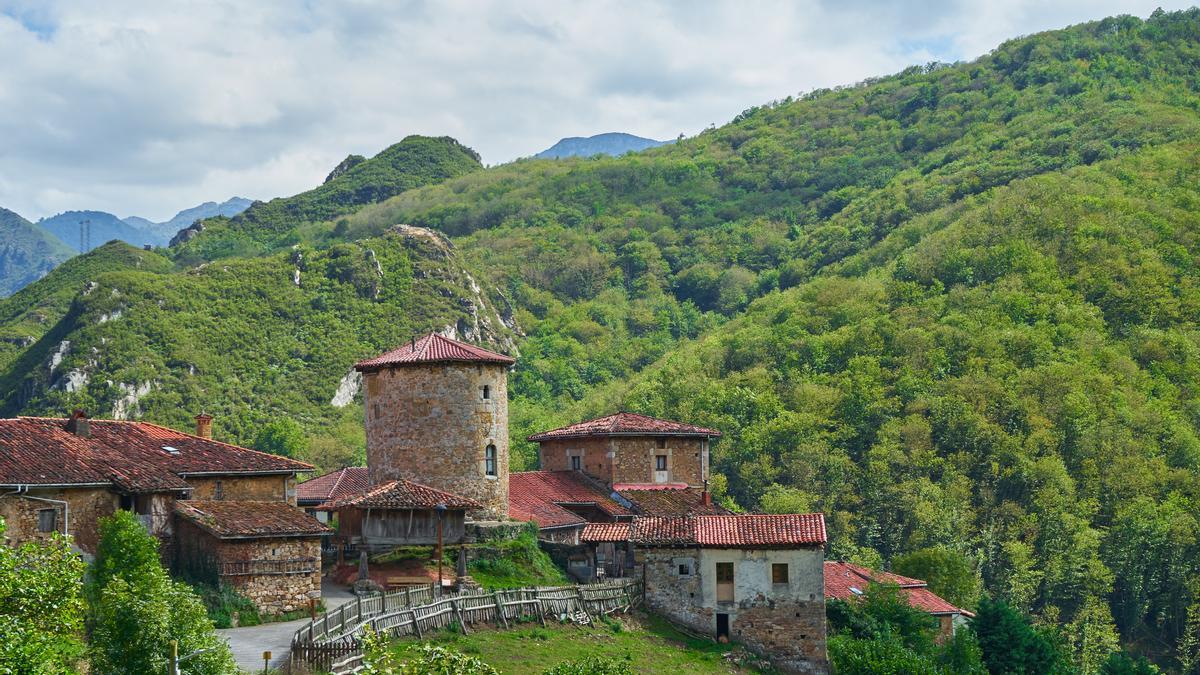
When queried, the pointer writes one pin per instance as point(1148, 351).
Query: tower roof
point(625, 424)
point(433, 348)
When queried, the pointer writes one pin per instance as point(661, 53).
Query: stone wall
point(429, 423)
point(87, 506)
point(595, 456)
point(245, 488)
point(630, 459)
point(785, 622)
point(275, 593)
point(203, 557)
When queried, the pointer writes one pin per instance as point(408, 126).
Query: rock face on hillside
point(345, 165)
point(291, 323)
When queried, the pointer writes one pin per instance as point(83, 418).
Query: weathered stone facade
point(783, 621)
point(431, 423)
point(277, 574)
point(630, 459)
point(86, 505)
point(245, 488)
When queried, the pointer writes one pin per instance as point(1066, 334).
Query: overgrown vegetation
point(135, 610)
point(41, 607)
point(515, 563)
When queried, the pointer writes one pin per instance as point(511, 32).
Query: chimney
point(78, 424)
point(706, 496)
point(204, 425)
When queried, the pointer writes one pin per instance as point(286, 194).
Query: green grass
point(647, 644)
point(515, 563)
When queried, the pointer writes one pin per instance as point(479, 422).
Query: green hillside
point(413, 162)
point(27, 252)
point(955, 307)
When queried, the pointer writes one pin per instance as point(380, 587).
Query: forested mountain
point(169, 228)
point(102, 227)
point(411, 163)
point(612, 144)
point(27, 252)
point(952, 308)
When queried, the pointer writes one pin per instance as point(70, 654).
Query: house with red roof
point(64, 475)
point(400, 513)
point(847, 582)
point(757, 579)
point(327, 487)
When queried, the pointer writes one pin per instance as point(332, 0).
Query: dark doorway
point(723, 627)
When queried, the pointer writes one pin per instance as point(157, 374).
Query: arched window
point(489, 460)
point(487, 391)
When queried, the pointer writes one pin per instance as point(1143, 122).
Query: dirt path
point(250, 642)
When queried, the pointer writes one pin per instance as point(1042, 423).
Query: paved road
point(249, 643)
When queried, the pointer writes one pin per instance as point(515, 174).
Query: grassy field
point(648, 644)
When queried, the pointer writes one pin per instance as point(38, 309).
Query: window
point(660, 462)
point(487, 391)
point(661, 442)
point(375, 410)
point(47, 520)
point(724, 582)
point(684, 566)
point(489, 460)
point(685, 570)
point(219, 490)
point(779, 573)
point(576, 463)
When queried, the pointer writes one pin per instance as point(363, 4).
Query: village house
point(63, 475)
point(269, 551)
point(756, 579)
point(847, 581)
point(329, 487)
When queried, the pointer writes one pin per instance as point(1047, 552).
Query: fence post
point(499, 609)
point(462, 621)
point(416, 624)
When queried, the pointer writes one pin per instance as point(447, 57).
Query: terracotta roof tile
point(732, 531)
point(133, 456)
point(625, 424)
point(846, 581)
point(333, 485)
point(540, 495)
point(401, 494)
point(605, 532)
point(670, 503)
point(249, 520)
point(433, 348)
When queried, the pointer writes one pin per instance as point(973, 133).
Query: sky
point(147, 108)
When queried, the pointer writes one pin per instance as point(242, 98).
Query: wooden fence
point(332, 641)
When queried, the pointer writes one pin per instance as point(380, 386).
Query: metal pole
point(174, 658)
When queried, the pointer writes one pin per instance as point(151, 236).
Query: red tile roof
point(625, 424)
point(133, 456)
point(401, 494)
point(846, 581)
point(540, 495)
point(727, 531)
point(603, 532)
point(433, 348)
point(249, 520)
point(334, 485)
point(669, 502)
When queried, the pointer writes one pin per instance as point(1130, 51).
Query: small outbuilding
point(401, 513)
point(847, 581)
point(269, 551)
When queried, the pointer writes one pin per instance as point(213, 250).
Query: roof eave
point(537, 438)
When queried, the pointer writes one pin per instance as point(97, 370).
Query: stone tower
point(437, 414)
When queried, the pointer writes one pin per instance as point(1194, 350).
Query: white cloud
point(149, 107)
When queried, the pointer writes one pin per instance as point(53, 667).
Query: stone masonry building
point(64, 475)
point(629, 449)
point(437, 413)
point(755, 579)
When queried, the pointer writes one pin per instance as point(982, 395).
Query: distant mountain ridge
point(27, 252)
point(612, 144)
point(167, 229)
point(101, 226)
